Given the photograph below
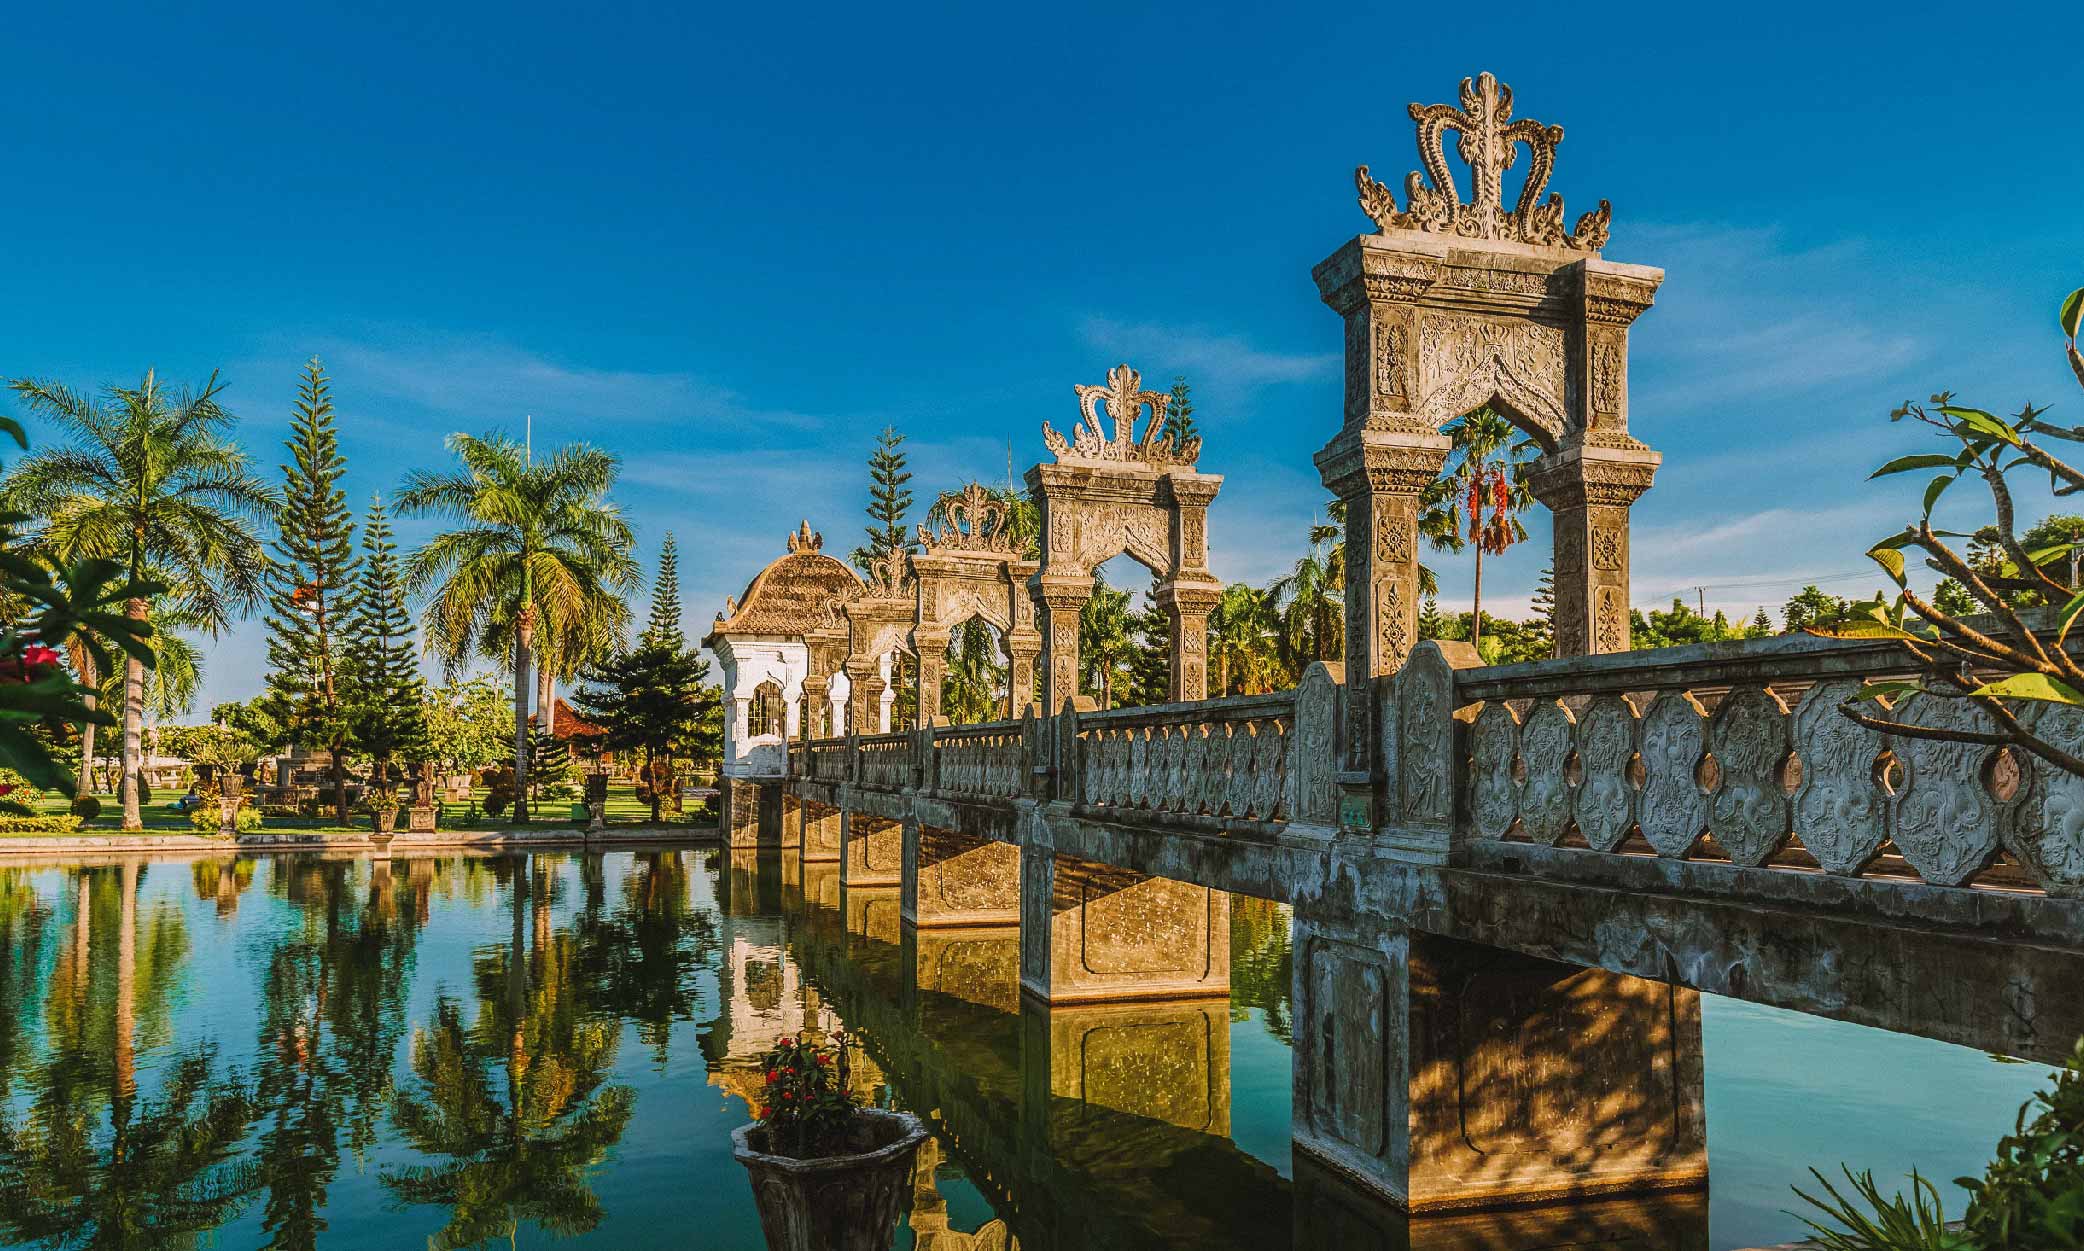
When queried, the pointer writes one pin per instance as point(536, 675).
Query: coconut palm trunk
point(524, 641)
point(133, 729)
point(89, 677)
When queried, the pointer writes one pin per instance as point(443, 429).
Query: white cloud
point(1209, 358)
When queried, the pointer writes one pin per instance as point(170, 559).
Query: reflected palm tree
point(25, 933)
point(161, 1172)
point(512, 1105)
point(333, 1017)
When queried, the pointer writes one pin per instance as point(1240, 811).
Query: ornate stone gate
point(1456, 304)
point(1111, 492)
point(879, 622)
point(968, 567)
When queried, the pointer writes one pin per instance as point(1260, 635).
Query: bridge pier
point(1092, 933)
point(1444, 1075)
point(871, 850)
point(752, 814)
point(953, 878)
point(819, 834)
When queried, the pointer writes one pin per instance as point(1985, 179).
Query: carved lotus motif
point(1944, 820)
point(2046, 831)
point(1749, 812)
point(1672, 809)
point(1605, 802)
point(1839, 813)
point(1545, 746)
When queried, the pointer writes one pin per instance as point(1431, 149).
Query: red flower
point(6, 788)
point(36, 655)
point(786, 1095)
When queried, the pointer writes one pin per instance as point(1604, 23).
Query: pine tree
point(1432, 623)
point(665, 597)
point(649, 700)
point(1179, 414)
point(889, 500)
point(311, 599)
point(1150, 666)
point(1541, 630)
point(385, 713)
point(549, 763)
point(1761, 623)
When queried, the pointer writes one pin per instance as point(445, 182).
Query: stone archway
point(1452, 305)
point(1111, 492)
point(967, 568)
point(879, 624)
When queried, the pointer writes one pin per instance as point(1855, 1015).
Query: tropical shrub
point(2031, 1197)
point(86, 807)
point(2002, 668)
point(806, 1106)
point(53, 823)
point(208, 818)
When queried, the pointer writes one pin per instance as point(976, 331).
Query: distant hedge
point(56, 824)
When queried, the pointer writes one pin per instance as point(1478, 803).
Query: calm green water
point(548, 1050)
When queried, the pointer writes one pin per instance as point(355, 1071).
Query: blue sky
point(732, 242)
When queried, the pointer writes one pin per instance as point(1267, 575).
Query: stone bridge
point(1509, 884)
point(1496, 980)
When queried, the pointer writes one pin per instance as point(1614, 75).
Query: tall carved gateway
point(1454, 304)
point(967, 567)
point(1109, 492)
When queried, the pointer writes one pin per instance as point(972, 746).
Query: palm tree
point(1480, 498)
point(1310, 599)
point(172, 684)
point(534, 545)
point(150, 479)
point(1106, 642)
point(1243, 640)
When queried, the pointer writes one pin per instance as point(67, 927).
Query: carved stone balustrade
point(1740, 753)
point(886, 761)
point(987, 761)
point(1218, 758)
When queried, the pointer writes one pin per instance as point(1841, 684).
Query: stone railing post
point(1313, 796)
point(852, 771)
point(1422, 754)
point(926, 776)
point(1067, 779)
point(1034, 756)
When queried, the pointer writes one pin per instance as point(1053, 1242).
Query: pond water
point(552, 1049)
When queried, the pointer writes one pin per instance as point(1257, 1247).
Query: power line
point(1796, 581)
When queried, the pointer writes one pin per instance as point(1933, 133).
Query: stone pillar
point(1084, 1067)
point(1023, 642)
point(871, 851)
point(741, 727)
point(882, 694)
point(1062, 601)
point(817, 695)
point(956, 879)
point(1384, 455)
point(1091, 933)
point(837, 725)
point(932, 650)
point(861, 673)
point(1187, 606)
point(1589, 488)
point(1444, 1075)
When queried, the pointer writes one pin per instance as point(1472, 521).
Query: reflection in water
point(528, 1051)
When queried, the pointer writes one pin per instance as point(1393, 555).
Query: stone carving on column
point(1112, 490)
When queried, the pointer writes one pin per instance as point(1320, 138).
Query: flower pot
point(838, 1202)
point(386, 819)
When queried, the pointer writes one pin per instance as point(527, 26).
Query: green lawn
point(161, 816)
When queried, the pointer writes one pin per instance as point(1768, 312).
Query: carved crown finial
point(969, 520)
point(806, 539)
point(1487, 140)
point(1124, 400)
point(890, 574)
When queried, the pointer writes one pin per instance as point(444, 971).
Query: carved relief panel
point(1605, 803)
point(1839, 812)
point(1673, 810)
point(1546, 742)
point(1944, 819)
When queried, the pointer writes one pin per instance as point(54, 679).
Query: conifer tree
point(649, 700)
point(665, 597)
point(1761, 623)
point(1150, 667)
point(311, 600)
point(549, 761)
point(1541, 631)
point(889, 500)
point(1179, 414)
point(386, 715)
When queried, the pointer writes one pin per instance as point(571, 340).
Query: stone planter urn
point(838, 1202)
point(385, 819)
